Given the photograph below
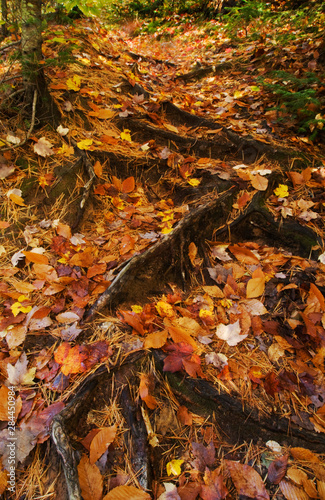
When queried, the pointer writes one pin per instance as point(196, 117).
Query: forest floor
point(163, 266)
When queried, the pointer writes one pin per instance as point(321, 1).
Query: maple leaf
point(174, 467)
point(230, 333)
point(74, 83)
point(125, 135)
point(43, 147)
point(85, 144)
point(213, 489)
point(281, 191)
point(170, 492)
point(18, 307)
point(19, 374)
point(62, 131)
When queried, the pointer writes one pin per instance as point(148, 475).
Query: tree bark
point(4, 18)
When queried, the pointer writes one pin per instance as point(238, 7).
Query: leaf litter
point(255, 329)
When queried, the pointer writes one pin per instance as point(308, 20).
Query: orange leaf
point(127, 493)
point(127, 244)
point(63, 230)
point(156, 340)
point(98, 169)
point(318, 294)
point(90, 479)
point(128, 185)
point(105, 114)
point(144, 390)
point(180, 335)
point(192, 252)
point(117, 183)
point(184, 416)
point(304, 455)
point(101, 442)
point(296, 178)
point(17, 199)
point(255, 287)
point(244, 255)
point(4, 224)
point(36, 258)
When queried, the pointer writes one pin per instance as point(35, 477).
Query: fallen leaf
point(174, 467)
point(101, 441)
point(90, 480)
point(20, 374)
point(127, 493)
point(230, 333)
point(43, 147)
point(247, 481)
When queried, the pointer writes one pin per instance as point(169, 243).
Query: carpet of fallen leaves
point(257, 330)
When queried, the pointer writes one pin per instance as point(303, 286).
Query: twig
point(2, 49)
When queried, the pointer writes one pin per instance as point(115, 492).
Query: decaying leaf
point(247, 481)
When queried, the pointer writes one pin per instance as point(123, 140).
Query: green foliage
point(297, 97)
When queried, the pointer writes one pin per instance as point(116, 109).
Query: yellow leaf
point(74, 83)
point(281, 191)
point(84, 144)
point(255, 287)
point(174, 467)
point(17, 199)
point(164, 309)
point(204, 313)
point(125, 135)
point(137, 309)
point(238, 94)
point(42, 181)
point(166, 230)
point(194, 182)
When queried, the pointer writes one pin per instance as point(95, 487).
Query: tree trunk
point(33, 74)
point(4, 18)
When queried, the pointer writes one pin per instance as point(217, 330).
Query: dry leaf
point(90, 479)
point(247, 481)
point(127, 493)
point(101, 442)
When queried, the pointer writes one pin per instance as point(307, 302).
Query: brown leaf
point(247, 481)
point(277, 469)
point(304, 455)
point(90, 479)
point(127, 493)
point(184, 416)
point(214, 489)
point(291, 491)
point(101, 441)
point(259, 182)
